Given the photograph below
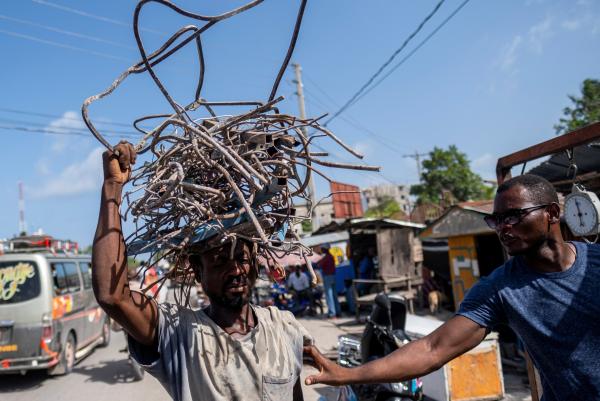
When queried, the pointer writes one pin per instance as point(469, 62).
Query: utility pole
point(417, 157)
point(22, 224)
point(311, 183)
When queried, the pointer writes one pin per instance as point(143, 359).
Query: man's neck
point(551, 257)
point(234, 322)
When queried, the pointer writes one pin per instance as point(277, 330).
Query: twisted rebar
point(218, 178)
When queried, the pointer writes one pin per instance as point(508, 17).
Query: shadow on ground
point(17, 382)
point(110, 372)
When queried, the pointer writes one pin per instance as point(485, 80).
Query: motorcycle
point(383, 334)
point(298, 305)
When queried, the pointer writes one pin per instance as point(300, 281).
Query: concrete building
point(376, 194)
point(324, 212)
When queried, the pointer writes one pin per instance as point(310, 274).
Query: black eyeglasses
point(511, 217)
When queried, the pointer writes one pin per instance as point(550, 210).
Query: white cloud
point(77, 178)
point(42, 167)
point(535, 38)
point(539, 33)
point(572, 24)
point(588, 21)
point(509, 55)
point(70, 120)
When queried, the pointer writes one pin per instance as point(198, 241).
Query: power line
point(377, 174)
point(323, 92)
point(357, 125)
point(58, 132)
point(46, 115)
point(81, 129)
point(62, 45)
point(349, 120)
point(90, 15)
point(64, 32)
point(387, 62)
point(417, 157)
point(409, 55)
point(325, 108)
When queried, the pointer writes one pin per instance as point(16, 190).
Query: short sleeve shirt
point(200, 361)
point(298, 282)
point(557, 315)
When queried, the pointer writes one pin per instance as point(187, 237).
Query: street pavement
point(103, 375)
point(107, 375)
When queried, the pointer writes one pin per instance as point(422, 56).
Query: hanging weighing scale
point(582, 207)
point(582, 212)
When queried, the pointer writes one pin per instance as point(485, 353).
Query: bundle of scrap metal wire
point(218, 178)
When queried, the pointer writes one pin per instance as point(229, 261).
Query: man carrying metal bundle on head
point(230, 350)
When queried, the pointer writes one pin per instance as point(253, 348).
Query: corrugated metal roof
point(482, 206)
point(556, 168)
point(325, 238)
point(366, 223)
point(385, 222)
point(465, 218)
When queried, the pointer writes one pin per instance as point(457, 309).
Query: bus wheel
point(68, 354)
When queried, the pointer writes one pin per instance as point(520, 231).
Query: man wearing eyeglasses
point(548, 293)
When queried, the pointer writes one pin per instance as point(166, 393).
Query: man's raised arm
point(136, 313)
point(417, 358)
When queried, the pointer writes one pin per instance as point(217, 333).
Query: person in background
point(366, 267)
point(327, 266)
point(298, 281)
point(298, 284)
point(366, 270)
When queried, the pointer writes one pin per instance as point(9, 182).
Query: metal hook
point(572, 166)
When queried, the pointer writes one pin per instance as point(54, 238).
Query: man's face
point(227, 281)
point(531, 231)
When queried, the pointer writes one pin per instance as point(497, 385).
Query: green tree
point(585, 109)
point(307, 226)
point(448, 171)
point(386, 208)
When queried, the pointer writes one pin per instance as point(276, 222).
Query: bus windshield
point(19, 281)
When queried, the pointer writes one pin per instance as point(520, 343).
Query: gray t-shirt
point(199, 361)
point(557, 315)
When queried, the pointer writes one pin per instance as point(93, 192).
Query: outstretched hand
point(330, 372)
point(117, 164)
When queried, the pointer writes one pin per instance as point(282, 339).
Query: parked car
point(49, 317)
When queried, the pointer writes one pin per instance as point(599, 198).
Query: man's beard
point(531, 250)
point(236, 301)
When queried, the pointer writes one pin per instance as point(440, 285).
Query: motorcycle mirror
point(383, 301)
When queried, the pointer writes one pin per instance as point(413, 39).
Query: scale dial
point(582, 212)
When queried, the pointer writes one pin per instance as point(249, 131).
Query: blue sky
point(492, 81)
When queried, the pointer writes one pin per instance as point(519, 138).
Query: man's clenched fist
point(117, 164)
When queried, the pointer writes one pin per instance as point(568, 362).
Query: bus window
point(86, 274)
point(72, 276)
point(59, 278)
